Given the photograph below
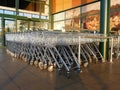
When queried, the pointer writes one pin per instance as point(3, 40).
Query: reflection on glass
point(46, 9)
point(35, 16)
point(27, 15)
point(72, 24)
point(59, 25)
point(59, 16)
point(115, 2)
point(21, 14)
point(10, 26)
point(1, 11)
point(115, 15)
point(91, 8)
point(73, 13)
point(91, 22)
point(43, 25)
point(91, 16)
point(8, 12)
point(22, 25)
point(43, 17)
point(69, 14)
point(76, 12)
point(34, 25)
point(115, 21)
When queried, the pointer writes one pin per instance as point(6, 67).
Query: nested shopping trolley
point(67, 51)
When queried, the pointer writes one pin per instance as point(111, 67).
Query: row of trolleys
point(48, 50)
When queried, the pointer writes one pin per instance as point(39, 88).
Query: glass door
point(10, 25)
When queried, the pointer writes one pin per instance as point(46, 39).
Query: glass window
point(115, 20)
point(35, 16)
point(59, 16)
point(72, 24)
point(10, 25)
point(21, 14)
point(27, 15)
point(44, 25)
point(46, 9)
point(76, 12)
point(91, 16)
point(115, 15)
point(91, 22)
point(0, 25)
point(8, 12)
point(73, 13)
point(59, 25)
point(22, 25)
point(91, 8)
point(69, 14)
point(43, 17)
point(115, 2)
point(47, 1)
point(1, 11)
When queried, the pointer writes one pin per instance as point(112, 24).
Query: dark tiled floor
point(18, 75)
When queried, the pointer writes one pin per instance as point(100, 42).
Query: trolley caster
point(13, 59)
point(12, 54)
point(45, 66)
point(31, 62)
point(78, 70)
point(49, 63)
point(15, 56)
point(7, 51)
point(54, 65)
point(59, 71)
point(94, 60)
point(50, 68)
point(85, 64)
point(41, 65)
point(103, 60)
point(90, 60)
point(68, 75)
point(25, 59)
point(36, 63)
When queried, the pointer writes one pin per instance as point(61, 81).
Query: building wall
point(60, 5)
point(30, 7)
point(36, 6)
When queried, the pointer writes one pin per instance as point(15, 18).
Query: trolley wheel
point(41, 65)
point(78, 70)
point(31, 62)
point(94, 60)
point(54, 65)
point(68, 74)
point(85, 64)
point(103, 60)
point(36, 63)
point(59, 71)
point(50, 68)
point(25, 59)
point(49, 63)
point(90, 60)
point(45, 66)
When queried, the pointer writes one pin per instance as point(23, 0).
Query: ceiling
point(11, 3)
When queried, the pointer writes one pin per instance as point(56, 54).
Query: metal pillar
point(3, 31)
point(28, 24)
point(105, 26)
point(40, 12)
point(17, 12)
point(50, 15)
